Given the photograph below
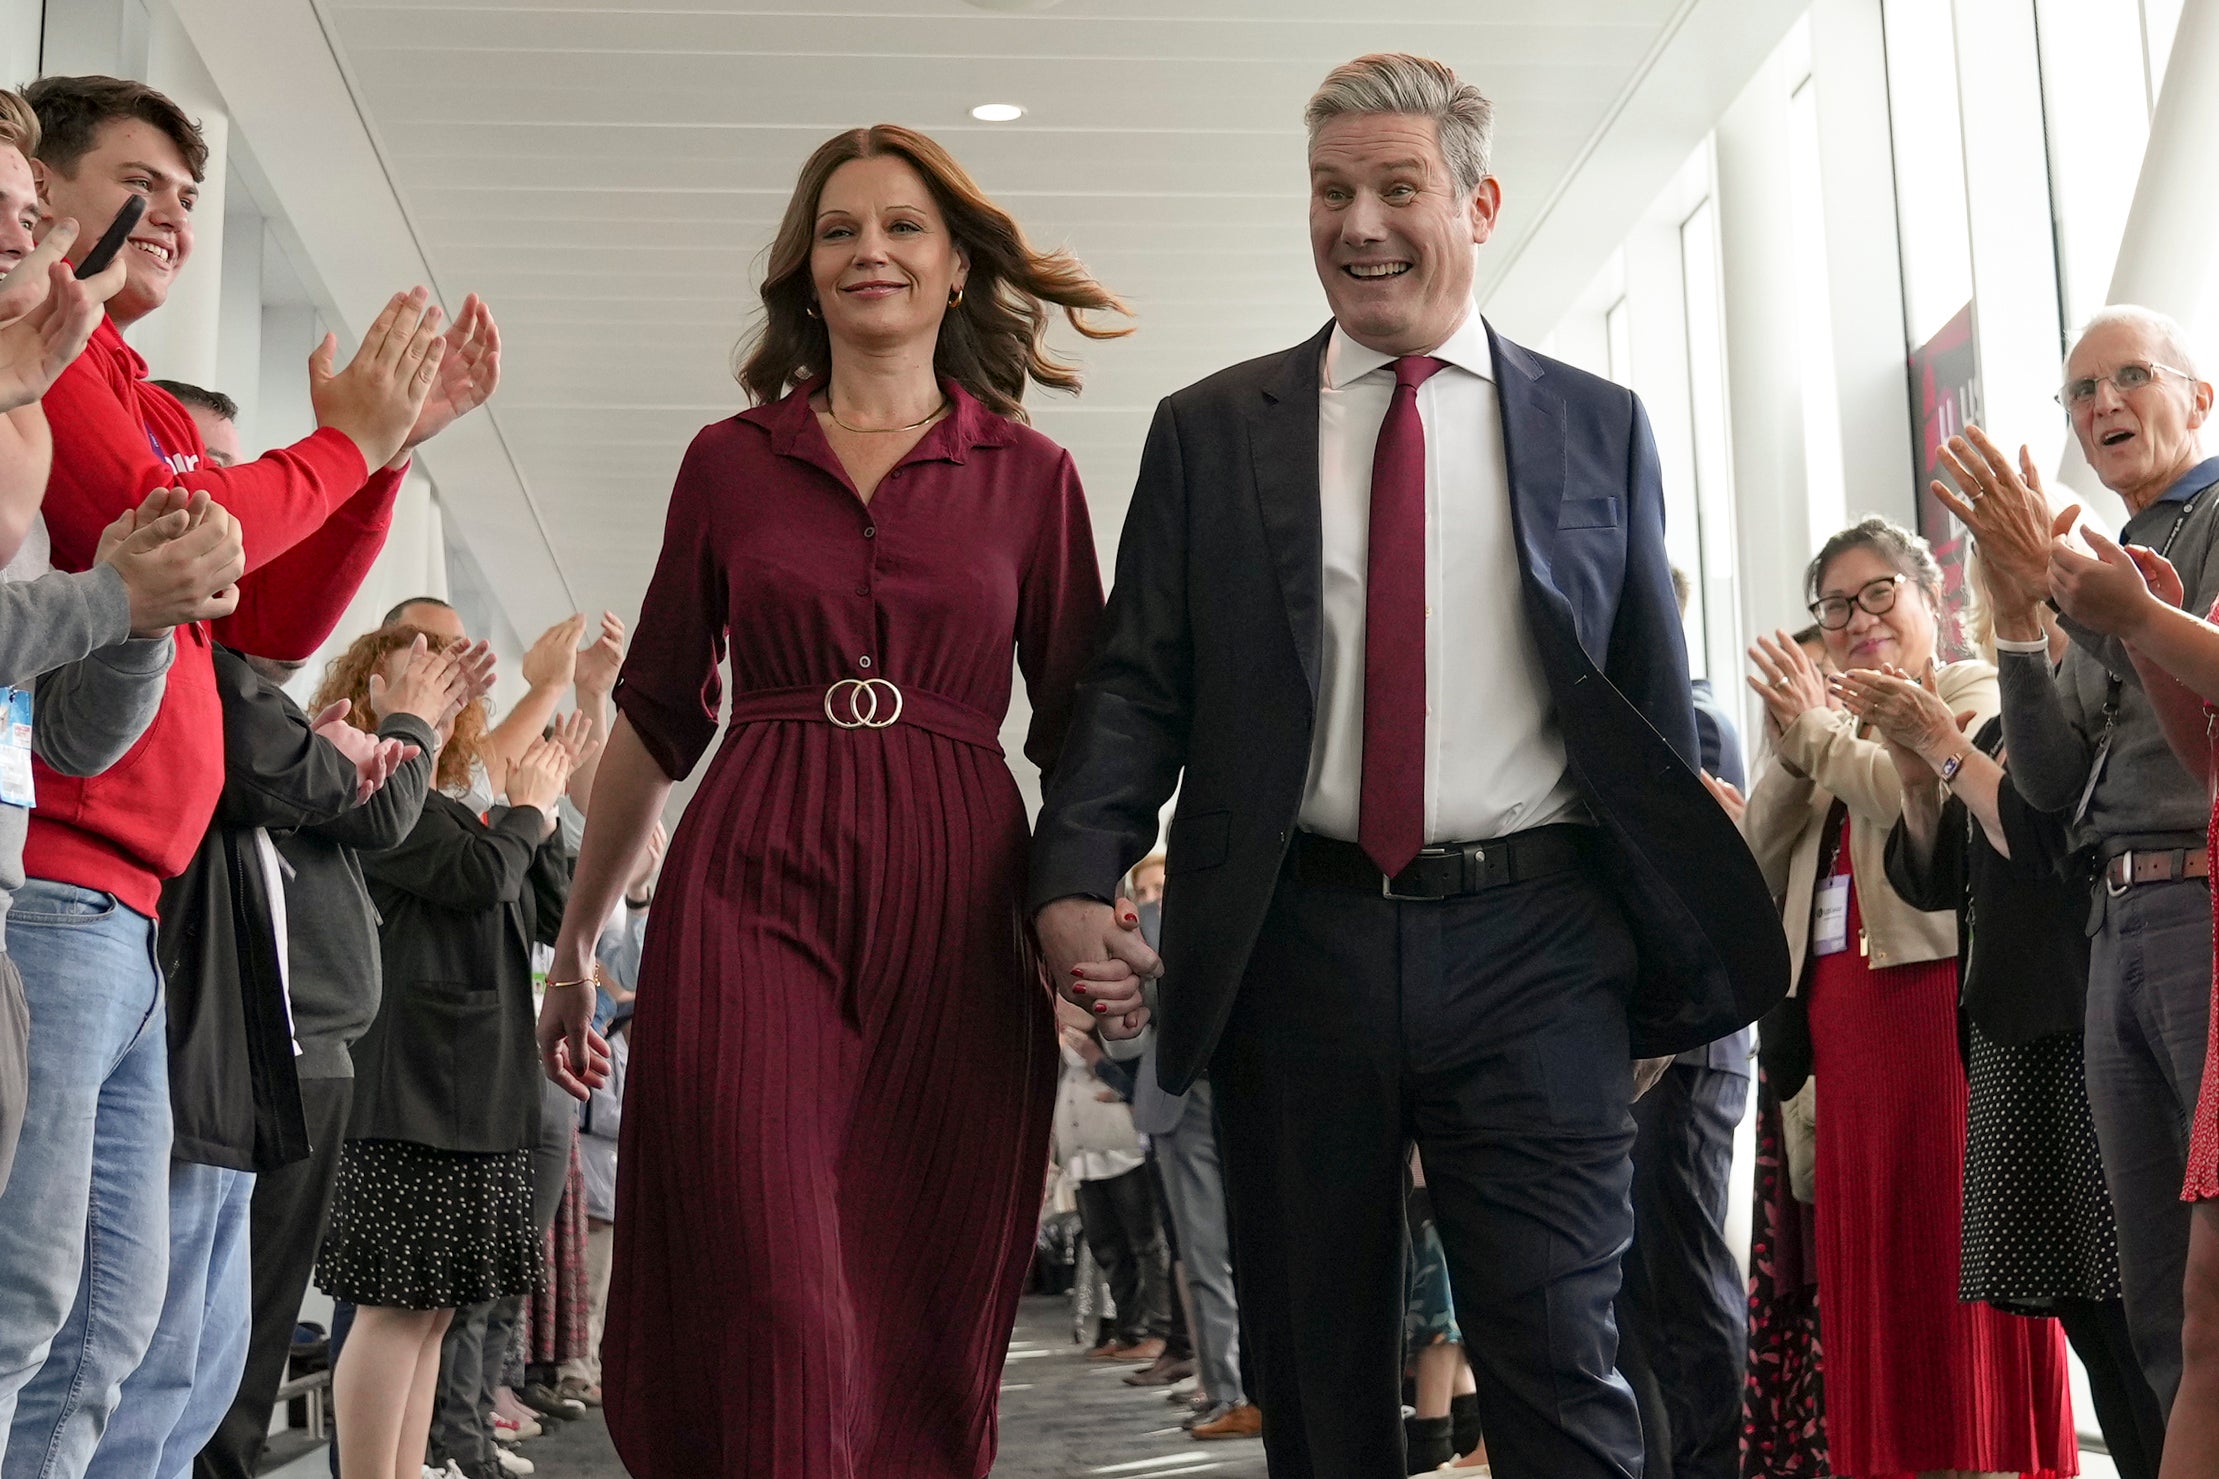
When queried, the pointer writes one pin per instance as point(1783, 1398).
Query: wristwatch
point(1951, 766)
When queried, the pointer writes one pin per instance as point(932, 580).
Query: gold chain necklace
point(864, 431)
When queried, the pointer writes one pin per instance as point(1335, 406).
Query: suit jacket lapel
point(1283, 440)
point(1533, 445)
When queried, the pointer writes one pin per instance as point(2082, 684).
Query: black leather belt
point(1450, 871)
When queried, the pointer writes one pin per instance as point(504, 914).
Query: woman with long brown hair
point(843, 1058)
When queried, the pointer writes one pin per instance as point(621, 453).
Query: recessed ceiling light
point(997, 112)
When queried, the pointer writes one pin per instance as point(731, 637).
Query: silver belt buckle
point(2124, 864)
point(1387, 884)
point(854, 703)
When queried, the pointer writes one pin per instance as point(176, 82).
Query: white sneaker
point(514, 1462)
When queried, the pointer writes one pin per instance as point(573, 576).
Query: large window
point(1929, 164)
point(1823, 482)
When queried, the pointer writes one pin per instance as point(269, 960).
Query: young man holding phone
point(312, 517)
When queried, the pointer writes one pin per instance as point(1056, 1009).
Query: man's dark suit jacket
point(1209, 666)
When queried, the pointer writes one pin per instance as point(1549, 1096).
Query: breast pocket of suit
point(1197, 842)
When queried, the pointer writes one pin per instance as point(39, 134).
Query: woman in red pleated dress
point(2136, 596)
point(843, 1059)
point(1917, 1383)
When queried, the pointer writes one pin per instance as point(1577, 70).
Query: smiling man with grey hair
point(2087, 741)
point(1393, 610)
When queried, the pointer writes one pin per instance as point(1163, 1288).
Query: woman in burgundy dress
point(844, 1055)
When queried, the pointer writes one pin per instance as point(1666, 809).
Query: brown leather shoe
point(1106, 1351)
point(1244, 1421)
point(1147, 1350)
point(1168, 1371)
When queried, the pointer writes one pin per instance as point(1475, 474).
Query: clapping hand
point(2008, 515)
point(47, 316)
point(467, 375)
point(180, 555)
point(597, 666)
point(428, 685)
point(1788, 681)
point(2115, 590)
point(552, 661)
point(376, 399)
point(374, 759)
point(538, 777)
point(1909, 714)
point(574, 734)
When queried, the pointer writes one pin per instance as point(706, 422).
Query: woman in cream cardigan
point(1915, 1381)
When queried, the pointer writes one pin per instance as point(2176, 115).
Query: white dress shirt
point(1494, 759)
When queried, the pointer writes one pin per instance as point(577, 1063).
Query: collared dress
point(843, 1058)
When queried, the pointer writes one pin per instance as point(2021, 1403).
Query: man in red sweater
point(313, 517)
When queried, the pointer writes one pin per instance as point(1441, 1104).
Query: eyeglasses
point(2127, 379)
point(1874, 596)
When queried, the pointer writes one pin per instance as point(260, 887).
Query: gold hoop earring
point(955, 297)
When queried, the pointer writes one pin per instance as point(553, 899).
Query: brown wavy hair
point(348, 678)
point(990, 343)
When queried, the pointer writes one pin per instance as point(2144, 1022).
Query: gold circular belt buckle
point(854, 703)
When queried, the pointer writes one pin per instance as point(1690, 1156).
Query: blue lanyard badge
point(15, 748)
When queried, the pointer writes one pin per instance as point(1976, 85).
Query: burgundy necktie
point(1390, 823)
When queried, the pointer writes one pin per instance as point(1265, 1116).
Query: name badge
point(1830, 916)
point(15, 748)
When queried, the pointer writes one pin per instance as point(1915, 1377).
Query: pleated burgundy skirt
point(836, 1123)
point(1915, 1380)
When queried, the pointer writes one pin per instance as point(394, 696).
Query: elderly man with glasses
point(2084, 740)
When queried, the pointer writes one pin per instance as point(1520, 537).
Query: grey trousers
point(1194, 1185)
point(475, 1352)
point(2149, 1019)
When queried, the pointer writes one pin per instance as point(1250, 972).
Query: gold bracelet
point(592, 980)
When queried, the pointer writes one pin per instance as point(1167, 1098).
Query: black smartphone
point(111, 241)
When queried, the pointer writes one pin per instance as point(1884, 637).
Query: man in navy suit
point(1393, 613)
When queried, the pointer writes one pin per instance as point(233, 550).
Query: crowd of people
point(1396, 1096)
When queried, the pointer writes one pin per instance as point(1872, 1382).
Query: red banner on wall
point(1945, 396)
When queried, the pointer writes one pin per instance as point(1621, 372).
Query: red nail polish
point(1078, 991)
point(1100, 1009)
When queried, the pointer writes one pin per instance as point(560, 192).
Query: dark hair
point(1810, 634)
point(990, 343)
point(395, 614)
point(214, 402)
point(73, 110)
point(1912, 557)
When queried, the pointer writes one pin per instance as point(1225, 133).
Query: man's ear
point(1485, 206)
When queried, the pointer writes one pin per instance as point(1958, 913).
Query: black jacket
point(2022, 953)
point(451, 1060)
point(234, 1088)
point(1208, 675)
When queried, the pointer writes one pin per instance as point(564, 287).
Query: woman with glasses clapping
point(1916, 1383)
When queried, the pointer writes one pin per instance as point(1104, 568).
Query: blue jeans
point(173, 1403)
point(84, 1222)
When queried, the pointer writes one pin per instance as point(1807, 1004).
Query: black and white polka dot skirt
point(2038, 1224)
point(415, 1227)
